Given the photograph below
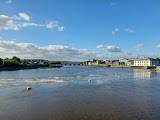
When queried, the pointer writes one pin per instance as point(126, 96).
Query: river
point(80, 93)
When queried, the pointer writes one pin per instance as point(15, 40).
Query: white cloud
point(50, 52)
point(59, 52)
point(113, 52)
point(22, 20)
point(129, 30)
point(60, 28)
point(16, 18)
point(24, 16)
point(158, 46)
point(52, 24)
point(25, 24)
point(138, 46)
point(6, 23)
point(55, 25)
point(109, 48)
point(9, 1)
point(115, 31)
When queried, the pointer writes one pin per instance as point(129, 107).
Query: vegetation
point(24, 62)
point(16, 58)
point(122, 63)
point(17, 62)
point(80, 63)
point(1, 61)
point(11, 63)
point(47, 63)
point(55, 62)
point(158, 60)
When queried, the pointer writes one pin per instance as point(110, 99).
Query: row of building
point(141, 61)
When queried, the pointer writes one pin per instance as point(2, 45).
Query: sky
point(79, 30)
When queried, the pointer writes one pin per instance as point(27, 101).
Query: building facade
point(143, 61)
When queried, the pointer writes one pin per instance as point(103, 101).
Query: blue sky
point(79, 29)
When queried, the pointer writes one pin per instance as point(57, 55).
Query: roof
point(144, 58)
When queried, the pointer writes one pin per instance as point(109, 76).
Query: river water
point(80, 93)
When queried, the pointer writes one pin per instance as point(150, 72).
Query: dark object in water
point(89, 80)
point(29, 88)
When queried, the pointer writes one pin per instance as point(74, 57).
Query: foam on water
point(6, 83)
point(44, 81)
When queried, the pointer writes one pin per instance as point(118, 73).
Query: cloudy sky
point(79, 30)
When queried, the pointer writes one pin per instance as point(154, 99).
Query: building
point(95, 62)
point(143, 61)
point(115, 63)
point(130, 62)
point(126, 61)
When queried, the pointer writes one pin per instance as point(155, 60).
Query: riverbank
point(125, 66)
point(8, 68)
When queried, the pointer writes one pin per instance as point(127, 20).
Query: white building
point(143, 61)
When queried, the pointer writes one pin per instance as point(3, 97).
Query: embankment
point(8, 68)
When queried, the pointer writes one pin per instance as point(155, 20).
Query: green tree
point(17, 58)
point(80, 63)
point(11, 63)
point(47, 63)
point(24, 62)
point(6, 58)
point(1, 61)
point(122, 63)
point(158, 59)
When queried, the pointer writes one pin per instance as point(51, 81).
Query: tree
point(24, 62)
point(1, 61)
point(11, 63)
point(122, 63)
point(47, 63)
point(56, 62)
point(80, 63)
point(17, 58)
point(6, 58)
point(158, 59)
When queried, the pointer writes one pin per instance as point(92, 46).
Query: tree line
point(13, 62)
point(16, 61)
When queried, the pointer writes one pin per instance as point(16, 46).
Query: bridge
point(71, 64)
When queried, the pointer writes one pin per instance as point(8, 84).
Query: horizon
point(79, 30)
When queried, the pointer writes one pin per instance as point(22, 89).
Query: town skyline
point(79, 30)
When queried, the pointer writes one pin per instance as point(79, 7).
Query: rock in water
point(89, 80)
point(29, 88)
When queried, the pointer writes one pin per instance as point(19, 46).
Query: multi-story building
point(143, 61)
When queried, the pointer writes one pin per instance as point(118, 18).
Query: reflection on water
point(142, 74)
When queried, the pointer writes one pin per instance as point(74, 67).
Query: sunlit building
point(143, 61)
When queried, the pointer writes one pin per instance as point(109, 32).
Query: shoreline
point(8, 68)
point(130, 67)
